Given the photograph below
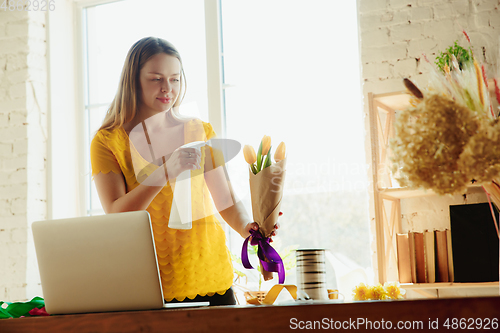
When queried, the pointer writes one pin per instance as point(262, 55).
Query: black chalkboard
point(474, 243)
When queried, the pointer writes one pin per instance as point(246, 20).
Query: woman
point(195, 264)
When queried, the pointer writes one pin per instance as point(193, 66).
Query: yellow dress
point(194, 261)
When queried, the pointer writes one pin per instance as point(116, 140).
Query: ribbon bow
point(269, 258)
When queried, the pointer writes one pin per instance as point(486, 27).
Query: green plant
point(462, 55)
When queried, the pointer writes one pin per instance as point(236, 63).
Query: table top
point(421, 314)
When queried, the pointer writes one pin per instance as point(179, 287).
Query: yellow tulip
point(378, 292)
point(249, 154)
point(266, 144)
point(280, 152)
point(393, 290)
point(362, 292)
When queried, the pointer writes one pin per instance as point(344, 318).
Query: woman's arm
point(234, 213)
point(114, 198)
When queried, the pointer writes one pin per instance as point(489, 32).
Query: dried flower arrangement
point(450, 137)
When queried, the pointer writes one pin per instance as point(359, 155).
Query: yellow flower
point(362, 293)
point(280, 152)
point(266, 144)
point(249, 154)
point(378, 292)
point(393, 290)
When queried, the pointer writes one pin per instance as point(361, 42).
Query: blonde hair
point(123, 108)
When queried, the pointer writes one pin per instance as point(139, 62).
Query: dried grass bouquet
point(450, 137)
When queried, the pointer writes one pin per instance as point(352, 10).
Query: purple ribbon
point(264, 251)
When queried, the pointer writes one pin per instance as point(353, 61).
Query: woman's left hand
point(255, 226)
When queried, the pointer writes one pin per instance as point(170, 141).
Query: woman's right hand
point(183, 159)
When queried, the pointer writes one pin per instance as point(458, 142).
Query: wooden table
point(417, 315)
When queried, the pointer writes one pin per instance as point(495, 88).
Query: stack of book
point(425, 257)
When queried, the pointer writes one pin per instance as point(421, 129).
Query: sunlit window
point(290, 71)
point(111, 29)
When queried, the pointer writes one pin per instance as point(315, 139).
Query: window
point(291, 71)
point(108, 35)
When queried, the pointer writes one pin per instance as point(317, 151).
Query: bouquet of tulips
point(266, 188)
point(262, 159)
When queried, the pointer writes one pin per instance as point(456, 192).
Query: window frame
point(216, 87)
point(216, 110)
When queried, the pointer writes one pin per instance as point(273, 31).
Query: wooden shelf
point(387, 196)
point(404, 193)
point(452, 289)
point(393, 101)
point(442, 285)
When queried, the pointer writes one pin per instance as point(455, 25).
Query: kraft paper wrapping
point(265, 274)
point(266, 188)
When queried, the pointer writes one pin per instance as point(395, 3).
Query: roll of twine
point(311, 273)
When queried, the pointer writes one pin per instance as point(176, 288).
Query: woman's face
point(160, 83)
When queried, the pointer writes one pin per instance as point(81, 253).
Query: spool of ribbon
point(270, 260)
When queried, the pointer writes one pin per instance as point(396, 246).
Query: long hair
point(124, 106)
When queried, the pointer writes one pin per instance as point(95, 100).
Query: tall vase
point(311, 273)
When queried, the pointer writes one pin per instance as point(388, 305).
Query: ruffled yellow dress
point(192, 262)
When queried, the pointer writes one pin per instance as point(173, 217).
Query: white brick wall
point(23, 137)
point(395, 33)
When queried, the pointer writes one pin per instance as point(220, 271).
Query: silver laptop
point(99, 263)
